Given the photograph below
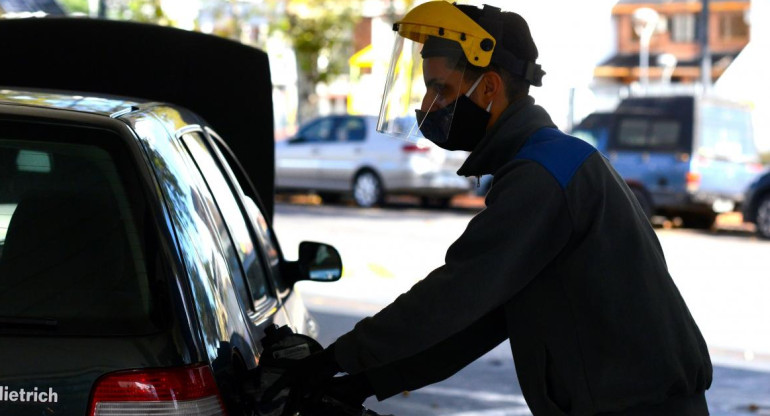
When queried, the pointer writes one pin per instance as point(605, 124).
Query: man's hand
point(351, 390)
point(305, 375)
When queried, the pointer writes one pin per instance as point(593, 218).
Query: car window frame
point(236, 175)
point(257, 308)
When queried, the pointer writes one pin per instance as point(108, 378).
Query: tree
point(75, 6)
point(321, 34)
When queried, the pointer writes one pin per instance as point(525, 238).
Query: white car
point(345, 155)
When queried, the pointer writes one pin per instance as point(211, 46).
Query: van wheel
point(763, 217)
point(644, 202)
point(699, 221)
point(367, 189)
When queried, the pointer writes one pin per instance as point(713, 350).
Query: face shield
point(426, 72)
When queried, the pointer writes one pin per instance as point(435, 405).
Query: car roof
point(66, 100)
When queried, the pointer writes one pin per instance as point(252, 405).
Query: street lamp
point(645, 22)
point(668, 61)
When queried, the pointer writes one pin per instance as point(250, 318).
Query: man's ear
point(491, 86)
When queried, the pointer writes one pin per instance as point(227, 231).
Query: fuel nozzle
point(281, 346)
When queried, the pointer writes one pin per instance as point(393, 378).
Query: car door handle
point(315, 151)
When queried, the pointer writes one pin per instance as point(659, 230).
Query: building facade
point(675, 47)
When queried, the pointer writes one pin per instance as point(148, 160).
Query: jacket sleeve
point(525, 226)
point(441, 360)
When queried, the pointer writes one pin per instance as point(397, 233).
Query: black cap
point(515, 50)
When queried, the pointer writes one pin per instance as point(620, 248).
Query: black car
point(138, 266)
point(756, 206)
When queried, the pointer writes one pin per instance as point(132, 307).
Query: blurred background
point(330, 57)
point(329, 61)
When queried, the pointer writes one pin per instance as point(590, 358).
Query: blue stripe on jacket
point(561, 154)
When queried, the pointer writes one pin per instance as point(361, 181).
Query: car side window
point(248, 256)
point(318, 131)
point(351, 130)
point(259, 222)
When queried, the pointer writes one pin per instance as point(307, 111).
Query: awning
point(627, 65)
point(363, 58)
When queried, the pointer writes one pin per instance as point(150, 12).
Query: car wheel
point(367, 189)
point(644, 202)
point(763, 217)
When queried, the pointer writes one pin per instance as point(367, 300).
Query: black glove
point(352, 390)
point(305, 375)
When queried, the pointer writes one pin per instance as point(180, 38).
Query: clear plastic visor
point(407, 90)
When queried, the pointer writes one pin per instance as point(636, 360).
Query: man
point(562, 262)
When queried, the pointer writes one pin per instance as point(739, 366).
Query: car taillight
point(410, 148)
point(167, 391)
point(693, 181)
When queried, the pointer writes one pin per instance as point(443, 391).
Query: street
point(721, 274)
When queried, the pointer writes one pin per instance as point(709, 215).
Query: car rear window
point(71, 251)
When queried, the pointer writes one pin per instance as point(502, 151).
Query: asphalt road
point(722, 275)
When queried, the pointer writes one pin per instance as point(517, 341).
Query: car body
point(130, 246)
point(138, 266)
point(344, 154)
point(756, 206)
point(684, 156)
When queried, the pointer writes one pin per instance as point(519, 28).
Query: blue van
point(683, 156)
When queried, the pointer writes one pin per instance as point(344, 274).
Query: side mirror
point(318, 262)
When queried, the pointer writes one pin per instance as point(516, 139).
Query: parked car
point(345, 155)
point(138, 265)
point(683, 156)
point(756, 206)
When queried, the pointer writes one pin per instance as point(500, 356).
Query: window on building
point(733, 26)
point(683, 28)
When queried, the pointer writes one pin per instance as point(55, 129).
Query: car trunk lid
point(56, 375)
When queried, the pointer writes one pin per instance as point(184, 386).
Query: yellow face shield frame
point(443, 20)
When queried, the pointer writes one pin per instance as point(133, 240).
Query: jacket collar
point(504, 139)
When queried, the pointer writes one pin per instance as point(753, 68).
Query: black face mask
point(463, 132)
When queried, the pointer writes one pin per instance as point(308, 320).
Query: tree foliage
point(145, 11)
point(318, 30)
point(320, 33)
point(75, 6)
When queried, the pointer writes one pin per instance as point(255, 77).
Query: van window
point(71, 247)
point(726, 133)
point(648, 134)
